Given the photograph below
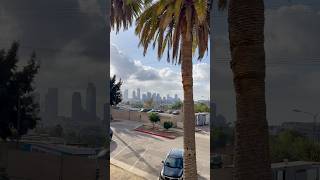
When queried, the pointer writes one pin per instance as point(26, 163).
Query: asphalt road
point(143, 153)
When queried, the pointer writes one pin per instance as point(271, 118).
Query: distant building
point(148, 95)
point(176, 97)
point(91, 101)
point(134, 95)
point(51, 104)
point(144, 97)
point(138, 94)
point(77, 110)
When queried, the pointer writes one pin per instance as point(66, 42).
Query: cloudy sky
point(69, 38)
point(151, 74)
point(293, 61)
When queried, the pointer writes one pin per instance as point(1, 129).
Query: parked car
point(169, 111)
point(144, 110)
point(153, 111)
point(175, 112)
point(159, 111)
point(216, 161)
point(172, 166)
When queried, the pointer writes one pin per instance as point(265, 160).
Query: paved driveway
point(142, 153)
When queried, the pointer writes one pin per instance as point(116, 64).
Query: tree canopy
point(18, 109)
point(293, 146)
point(115, 91)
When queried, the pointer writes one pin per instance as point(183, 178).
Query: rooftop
point(293, 163)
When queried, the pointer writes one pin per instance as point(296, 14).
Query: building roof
point(293, 163)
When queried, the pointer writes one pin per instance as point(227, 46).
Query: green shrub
point(167, 125)
point(154, 118)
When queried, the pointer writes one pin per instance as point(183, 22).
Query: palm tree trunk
point(246, 35)
point(190, 165)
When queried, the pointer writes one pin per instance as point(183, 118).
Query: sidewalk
point(129, 170)
point(117, 173)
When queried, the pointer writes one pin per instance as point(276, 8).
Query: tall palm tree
point(123, 12)
point(246, 36)
point(179, 27)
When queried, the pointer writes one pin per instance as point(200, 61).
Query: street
point(142, 153)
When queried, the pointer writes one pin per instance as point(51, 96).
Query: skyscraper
point(148, 95)
point(176, 97)
point(91, 101)
point(51, 104)
point(77, 110)
point(144, 97)
point(138, 94)
point(134, 94)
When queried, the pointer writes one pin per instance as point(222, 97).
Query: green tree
point(179, 27)
point(294, 147)
point(201, 107)
point(167, 125)
point(154, 118)
point(177, 105)
point(137, 105)
point(115, 91)
point(18, 109)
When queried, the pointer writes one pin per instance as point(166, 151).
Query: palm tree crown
point(165, 21)
point(123, 12)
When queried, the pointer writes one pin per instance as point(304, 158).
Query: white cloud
point(163, 80)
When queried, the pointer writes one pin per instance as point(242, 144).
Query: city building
point(134, 95)
point(77, 110)
point(51, 105)
point(138, 94)
point(91, 101)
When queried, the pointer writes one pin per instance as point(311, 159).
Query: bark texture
point(246, 35)
point(190, 165)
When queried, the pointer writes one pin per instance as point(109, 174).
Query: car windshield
point(174, 162)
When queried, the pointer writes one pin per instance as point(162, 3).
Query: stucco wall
point(143, 116)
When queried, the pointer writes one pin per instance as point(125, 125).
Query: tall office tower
point(134, 95)
point(77, 110)
point(144, 97)
point(126, 94)
point(168, 98)
point(138, 94)
point(158, 98)
point(154, 96)
point(51, 104)
point(148, 95)
point(176, 97)
point(164, 100)
point(91, 101)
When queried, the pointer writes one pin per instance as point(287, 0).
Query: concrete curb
point(133, 170)
point(155, 134)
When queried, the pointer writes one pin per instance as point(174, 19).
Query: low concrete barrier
point(144, 116)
